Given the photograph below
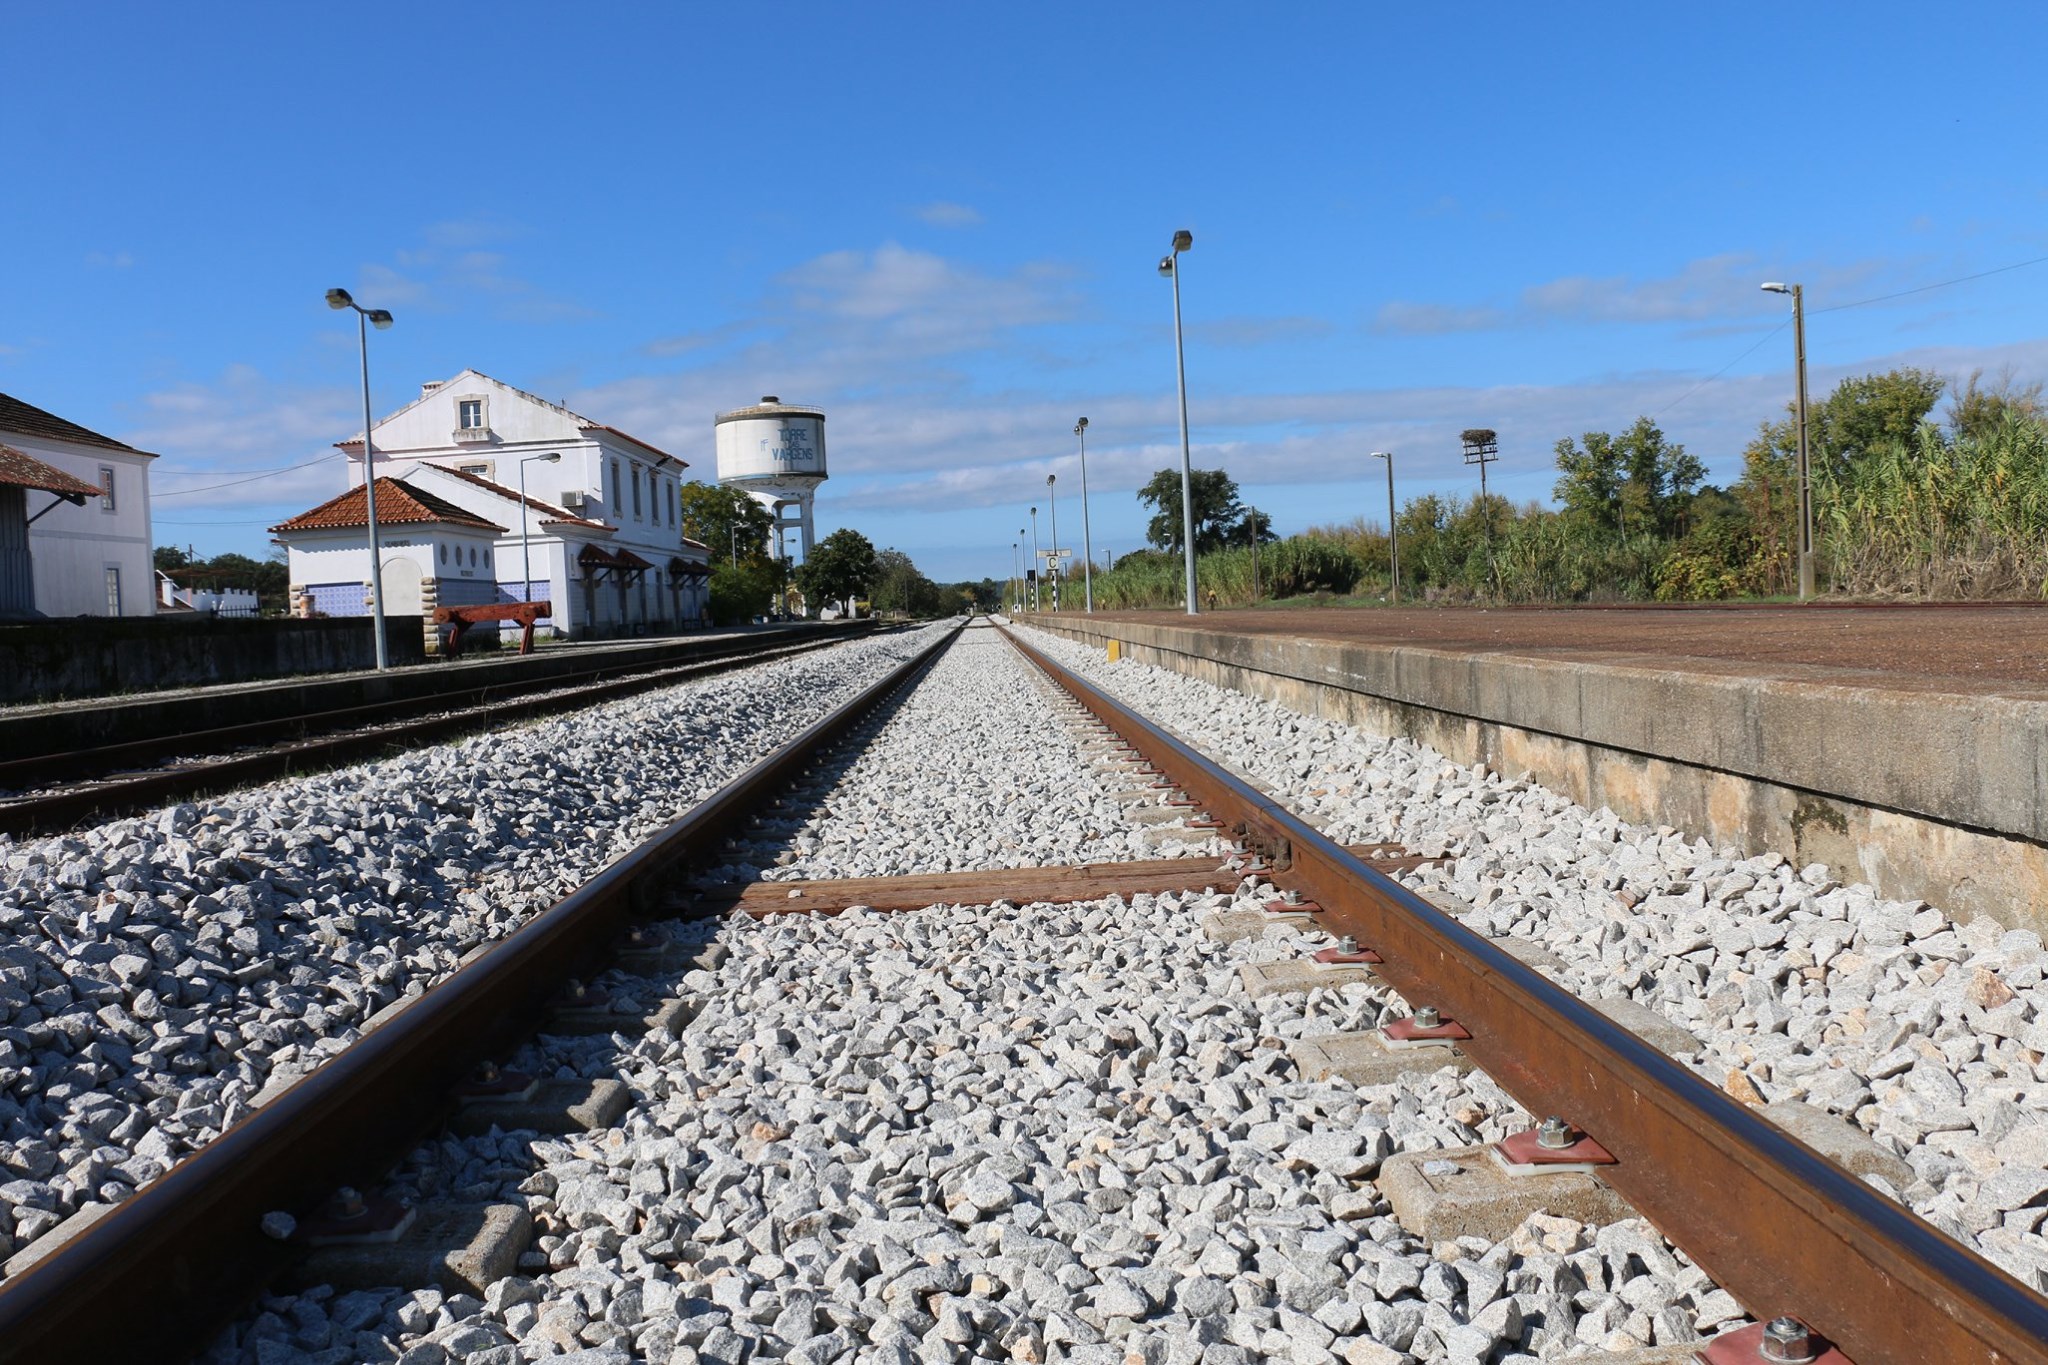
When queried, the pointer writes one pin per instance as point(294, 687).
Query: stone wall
point(104, 656)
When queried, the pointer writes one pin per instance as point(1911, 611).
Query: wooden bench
point(525, 614)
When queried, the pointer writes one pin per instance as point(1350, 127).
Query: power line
point(1839, 307)
point(235, 483)
point(1723, 370)
point(1922, 289)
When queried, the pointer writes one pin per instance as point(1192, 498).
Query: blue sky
point(941, 224)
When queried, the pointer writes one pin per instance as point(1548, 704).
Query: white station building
point(91, 557)
point(601, 515)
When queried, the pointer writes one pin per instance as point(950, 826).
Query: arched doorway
point(401, 587)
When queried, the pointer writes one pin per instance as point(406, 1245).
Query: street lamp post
point(365, 318)
point(1036, 574)
point(1169, 266)
point(1052, 511)
point(1393, 541)
point(1087, 535)
point(526, 564)
point(1012, 598)
point(1798, 294)
point(1253, 518)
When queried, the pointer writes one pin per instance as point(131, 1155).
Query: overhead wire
point(1840, 307)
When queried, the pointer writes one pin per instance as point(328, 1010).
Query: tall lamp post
point(1798, 294)
point(1036, 574)
point(1016, 577)
point(1087, 534)
point(1052, 511)
point(380, 319)
point(1169, 266)
point(526, 564)
point(1393, 542)
point(1023, 578)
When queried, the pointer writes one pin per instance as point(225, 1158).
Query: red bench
point(462, 618)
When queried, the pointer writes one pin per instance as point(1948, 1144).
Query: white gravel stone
point(157, 973)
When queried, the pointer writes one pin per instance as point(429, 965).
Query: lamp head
point(1048, 480)
point(552, 457)
point(1166, 266)
point(339, 298)
point(1773, 287)
point(1182, 240)
point(380, 319)
point(1080, 426)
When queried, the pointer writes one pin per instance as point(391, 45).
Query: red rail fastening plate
point(1337, 957)
point(1295, 908)
point(1523, 1149)
point(1743, 1346)
point(1408, 1031)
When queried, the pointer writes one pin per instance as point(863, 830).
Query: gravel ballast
point(1034, 1133)
point(157, 973)
point(1927, 1034)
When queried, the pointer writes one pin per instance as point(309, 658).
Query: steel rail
point(161, 1271)
point(1777, 1224)
point(64, 808)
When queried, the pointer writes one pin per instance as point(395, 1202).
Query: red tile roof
point(26, 419)
point(550, 513)
point(628, 436)
point(398, 504)
point(19, 469)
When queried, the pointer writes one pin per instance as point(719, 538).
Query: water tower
point(775, 453)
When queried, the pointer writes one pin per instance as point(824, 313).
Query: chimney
point(430, 386)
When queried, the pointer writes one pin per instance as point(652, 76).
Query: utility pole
point(1253, 518)
point(1393, 540)
point(1798, 293)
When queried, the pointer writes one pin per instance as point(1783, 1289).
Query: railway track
point(1776, 1224)
point(58, 790)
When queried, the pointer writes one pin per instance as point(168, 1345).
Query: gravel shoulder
point(156, 974)
point(1927, 1034)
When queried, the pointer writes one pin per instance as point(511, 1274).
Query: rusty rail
point(365, 731)
point(153, 1277)
point(1774, 1222)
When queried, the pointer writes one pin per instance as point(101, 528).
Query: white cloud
point(942, 213)
point(109, 260)
point(1713, 288)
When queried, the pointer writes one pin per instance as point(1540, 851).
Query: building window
point(482, 471)
point(444, 554)
point(636, 492)
point(612, 495)
point(107, 491)
point(470, 414)
point(113, 590)
point(670, 485)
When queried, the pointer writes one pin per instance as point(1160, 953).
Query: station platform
point(1903, 746)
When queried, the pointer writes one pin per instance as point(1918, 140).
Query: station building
point(91, 554)
point(601, 514)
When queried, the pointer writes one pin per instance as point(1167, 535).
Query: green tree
point(169, 558)
point(899, 587)
point(1872, 413)
point(727, 521)
point(1636, 483)
point(840, 567)
point(741, 592)
point(1975, 412)
point(1218, 512)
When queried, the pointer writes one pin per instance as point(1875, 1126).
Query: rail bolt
point(347, 1202)
point(1426, 1016)
point(576, 989)
point(1292, 897)
point(488, 1072)
point(1786, 1342)
point(1347, 945)
point(1555, 1134)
